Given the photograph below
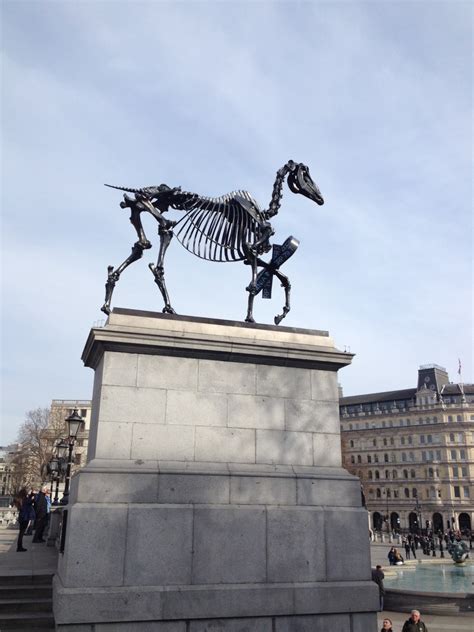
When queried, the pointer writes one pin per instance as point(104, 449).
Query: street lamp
point(55, 467)
point(418, 515)
point(74, 422)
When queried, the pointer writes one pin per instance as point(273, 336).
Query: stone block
point(141, 626)
point(167, 372)
point(248, 624)
point(336, 597)
point(193, 488)
point(159, 545)
point(287, 448)
point(365, 622)
point(347, 544)
point(113, 440)
point(324, 386)
point(235, 600)
point(314, 623)
point(327, 450)
point(262, 490)
point(229, 545)
point(225, 444)
point(120, 369)
point(105, 604)
point(130, 405)
point(328, 492)
point(163, 442)
point(95, 411)
point(216, 376)
point(249, 411)
point(98, 559)
point(196, 409)
point(295, 545)
point(113, 487)
point(283, 381)
point(308, 415)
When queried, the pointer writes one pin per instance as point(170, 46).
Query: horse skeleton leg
point(114, 275)
point(285, 283)
point(165, 232)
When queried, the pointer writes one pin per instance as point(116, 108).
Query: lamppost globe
point(74, 422)
point(62, 448)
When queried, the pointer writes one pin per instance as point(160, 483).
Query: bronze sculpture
point(228, 228)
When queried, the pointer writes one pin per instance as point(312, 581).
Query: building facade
point(62, 408)
point(413, 451)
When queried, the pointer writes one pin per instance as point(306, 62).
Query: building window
point(394, 474)
point(459, 418)
point(387, 474)
point(385, 458)
point(455, 471)
point(453, 455)
point(378, 493)
point(352, 443)
point(376, 458)
point(435, 419)
point(457, 491)
point(410, 440)
point(359, 458)
point(413, 473)
point(402, 441)
point(369, 459)
point(451, 436)
point(464, 471)
point(392, 441)
point(407, 492)
point(430, 472)
point(438, 455)
point(370, 475)
point(462, 454)
point(414, 492)
point(374, 443)
point(385, 441)
point(412, 456)
point(404, 457)
point(430, 438)
point(83, 412)
point(450, 418)
point(465, 492)
point(405, 473)
point(422, 438)
point(377, 474)
point(353, 459)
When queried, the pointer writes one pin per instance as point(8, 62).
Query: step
point(18, 578)
point(23, 606)
point(26, 591)
point(30, 621)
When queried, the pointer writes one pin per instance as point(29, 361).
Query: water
point(440, 578)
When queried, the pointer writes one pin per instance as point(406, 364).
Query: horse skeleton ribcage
point(216, 228)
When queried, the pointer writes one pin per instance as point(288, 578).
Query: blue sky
point(376, 97)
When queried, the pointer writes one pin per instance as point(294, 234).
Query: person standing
point(391, 556)
point(23, 504)
point(41, 510)
point(387, 625)
point(414, 623)
point(407, 550)
point(378, 576)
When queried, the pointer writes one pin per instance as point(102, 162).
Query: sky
point(375, 97)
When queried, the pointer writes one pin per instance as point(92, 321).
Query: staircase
point(26, 602)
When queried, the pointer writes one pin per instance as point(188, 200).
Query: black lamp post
point(74, 422)
point(418, 516)
point(55, 466)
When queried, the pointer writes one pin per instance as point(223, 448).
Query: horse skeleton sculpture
point(228, 228)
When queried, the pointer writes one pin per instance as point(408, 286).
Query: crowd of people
point(34, 509)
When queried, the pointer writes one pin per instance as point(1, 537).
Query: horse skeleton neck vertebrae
point(231, 227)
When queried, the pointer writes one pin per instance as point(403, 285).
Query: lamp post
point(387, 515)
point(55, 466)
point(74, 422)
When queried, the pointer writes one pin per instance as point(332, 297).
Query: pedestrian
point(413, 549)
point(391, 556)
point(387, 626)
point(414, 623)
point(41, 510)
point(407, 549)
point(31, 521)
point(378, 577)
point(23, 504)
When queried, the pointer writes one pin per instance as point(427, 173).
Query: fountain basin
point(432, 588)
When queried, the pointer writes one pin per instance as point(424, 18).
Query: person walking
point(387, 625)
point(23, 504)
point(407, 550)
point(378, 576)
point(414, 623)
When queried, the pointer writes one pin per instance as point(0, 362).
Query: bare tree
point(37, 437)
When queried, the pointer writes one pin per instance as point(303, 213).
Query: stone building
point(62, 408)
point(413, 450)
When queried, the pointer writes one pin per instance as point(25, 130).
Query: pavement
point(40, 559)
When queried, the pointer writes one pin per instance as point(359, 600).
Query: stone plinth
point(214, 497)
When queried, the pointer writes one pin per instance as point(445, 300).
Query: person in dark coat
point(414, 623)
point(41, 510)
point(23, 504)
point(391, 556)
point(378, 576)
